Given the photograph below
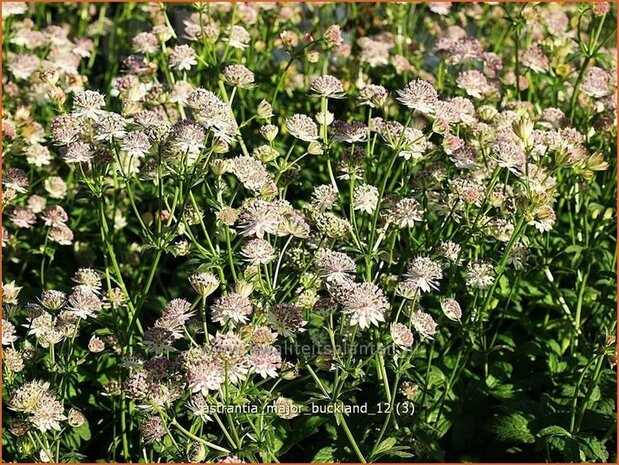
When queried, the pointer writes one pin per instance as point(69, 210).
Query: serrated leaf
point(512, 429)
point(324, 455)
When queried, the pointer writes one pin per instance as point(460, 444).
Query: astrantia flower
point(374, 52)
point(402, 336)
point(15, 179)
point(324, 197)
point(327, 86)
point(238, 37)
point(213, 113)
point(136, 144)
point(258, 217)
point(28, 396)
point(188, 137)
point(183, 57)
point(252, 173)
point(365, 303)
point(237, 76)
point(78, 152)
point(23, 217)
point(152, 429)
point(535, 59)
point(474, 83)
point(61, 234)
point(174, 317)
point(302, 127)
point(87, 104)
point(258, 252)
point(374, 96)
point(231, 308)
point(333, 36)
point(145, 42)
point(407, 212)
point(479, 275)
point(596, 83)
point(509, 154)
point(287, 319)
point(54, 215)
point(38, 155)
point(424, 324)
point(84, 303)
point(449, 250)
point(8, 333)
point(419, 95)
point(468, 189)
point(285, 408)
point(110, 126)
point(87, 278)
point(53, 299)
point(352, 132)
point(365, 198)
point(424, 273)
point(47, 414)
point(204, 283)
point(265, 360)
point(451, 309)
point(336, 267)
point(229, 347)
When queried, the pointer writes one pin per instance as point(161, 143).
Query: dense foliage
point(309, 232)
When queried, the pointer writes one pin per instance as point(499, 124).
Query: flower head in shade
point(335, 267)
point(534, 59)
point(479, 275)
point(474, 83)
point(205, 374)
point(419, 95)
point(15, 179)
point(152, 429)
point(402, 336)
point(352, 132)
point(238, 37)
point(265, 360)
point(78, 152)
point(451, 309)
point(424, 273)
point(327, 86)
point(365, 303)
point(597, 83)
point(302, 127)
point(424, 324)
point(174, 317)
point(23, 217)
point(136, 144)
point(183, 57)
point(287, 319)
point(374, 96)
point(238, 76)
point(233, 308)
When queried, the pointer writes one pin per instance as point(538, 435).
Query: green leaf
point(554, 431)
point(324, 455)
point(384, 447)
point(593, 448)
point(512, 429)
